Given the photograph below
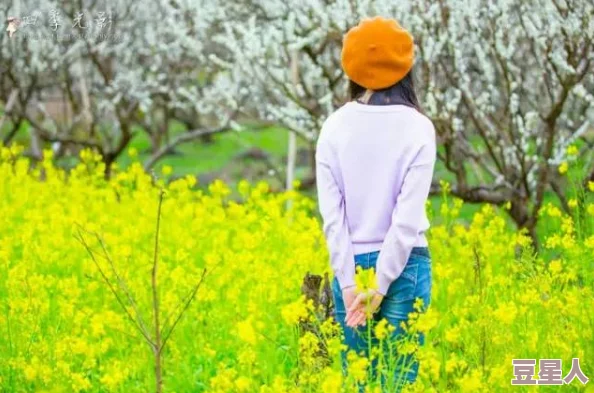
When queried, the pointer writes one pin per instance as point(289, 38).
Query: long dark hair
point(401, 93)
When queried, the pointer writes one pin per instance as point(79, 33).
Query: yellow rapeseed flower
point(472, 381)
point(553, 211)
point(555, 267)
point(381, 329)
point(427, 320)
point(553, 241)
point(452, 335)
point(506, 313)
point(572, 150)
point(294, 312)
point(563, 168)
point(166, 170)
point(243, 384)
point(357, 366)
point(365, 279)
point(246, 331)
point(332, 381)
point(445, 186)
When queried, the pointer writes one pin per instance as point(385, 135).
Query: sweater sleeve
point(331, 204)
point(407, 218)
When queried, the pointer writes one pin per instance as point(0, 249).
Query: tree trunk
point(35, 144)
point(156, 138)
point(108, 160)
point(521, 215)
point(312, 161)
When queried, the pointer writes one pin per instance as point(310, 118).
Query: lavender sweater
point(374, 165)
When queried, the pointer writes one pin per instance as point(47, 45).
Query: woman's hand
point(366, 303)
point(348, 296)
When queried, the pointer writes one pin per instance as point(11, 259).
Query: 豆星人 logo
point(550, 372)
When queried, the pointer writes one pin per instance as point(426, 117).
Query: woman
point(375, 158)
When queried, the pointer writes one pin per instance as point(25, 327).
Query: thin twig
point(182, 312)
point(123, 286)
point(115, 329)
point(158, 346)
point(184, 301)
point(113, 290)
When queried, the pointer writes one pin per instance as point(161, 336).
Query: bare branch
point(181, 138)
point(186, 304)
point(81, 239)
point(123, 286)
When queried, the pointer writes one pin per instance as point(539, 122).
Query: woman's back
point(369, 149)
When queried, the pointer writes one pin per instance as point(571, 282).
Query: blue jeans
point(414, 282)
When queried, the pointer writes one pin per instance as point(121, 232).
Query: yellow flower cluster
point(62, 329)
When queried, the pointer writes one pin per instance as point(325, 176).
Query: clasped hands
point(360, 305)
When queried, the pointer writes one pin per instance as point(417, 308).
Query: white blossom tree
point(122, 67)
point(509, 86)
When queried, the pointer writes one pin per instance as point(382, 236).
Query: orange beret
point(377, 53)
